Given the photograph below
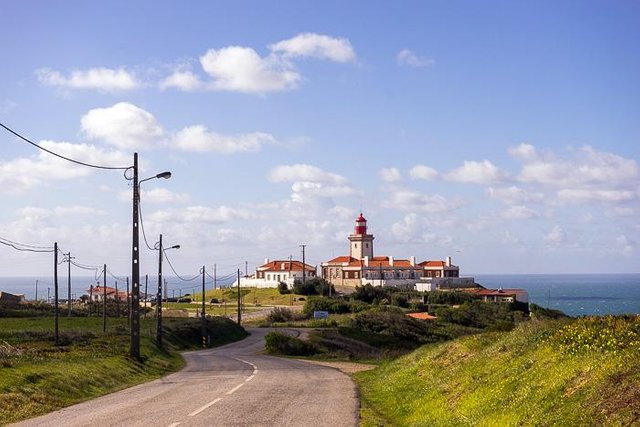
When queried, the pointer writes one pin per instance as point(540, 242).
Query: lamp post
point(160, 249)
point(134, 348)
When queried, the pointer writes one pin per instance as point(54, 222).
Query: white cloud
point(589, 195)
point(317, 46)
point(413, 201)
point(519, 212)
point(514, 195)
point(390, 175)
point(202, 214)
point(122, 125)
point(423, 172)
point(556, 235)
point(589, 168)
point(524, 152)
point(200, 139)
point(182, 79)
point(241, 69)
point(19, 175)
point(101, 79)
point(476, 172)
point(408, 57)
point(162, 195)
point(626, 245)
point(304, 172)
point(58, 211)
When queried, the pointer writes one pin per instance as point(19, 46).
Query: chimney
point(412, 261)
point(366, 261)
point(266, 260)
point(448, 262)
point(391, 261)
point(283, 266)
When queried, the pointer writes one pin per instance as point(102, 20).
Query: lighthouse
point(361, 243)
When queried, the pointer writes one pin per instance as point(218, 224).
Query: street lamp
point(160, 249)
point(134, 349)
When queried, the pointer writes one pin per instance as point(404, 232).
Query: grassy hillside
point(559, 372)
point(37, 377)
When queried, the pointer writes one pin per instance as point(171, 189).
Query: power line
point(63, 157)
point(25, 247)
point(144, 235)
point(177, 275)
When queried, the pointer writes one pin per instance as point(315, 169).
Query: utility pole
point(146, 298)
point(304, 265)
point(104, 299)
point(117, 301)
point(55, 284)
point(246, 268)
point(239, 310)
point(90, 299)
point(129, 306)
point(159, 298)
point(69, 258)
point(134, 348)
point(204, 320)
point(36, 289)
point(214, 277)
point(292, 282)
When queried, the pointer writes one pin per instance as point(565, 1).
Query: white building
point(272, 273)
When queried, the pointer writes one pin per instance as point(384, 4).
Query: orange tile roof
point(498, 292)
point(433, 264)
point(285, 266)
point(341, 259)
point(422, 316)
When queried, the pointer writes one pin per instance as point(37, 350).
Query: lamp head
point(165, 175)
point(175, 247)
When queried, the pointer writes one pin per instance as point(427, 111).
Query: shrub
point(283, 289)
point(399, 300)
point(397, 325)
point(370, 294)
point(280, 314)
point(479, 314)
point(332, 305)
point(449, 297)
point(314, 286)
point(277, 343)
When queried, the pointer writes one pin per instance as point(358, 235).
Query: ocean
point(574, 294)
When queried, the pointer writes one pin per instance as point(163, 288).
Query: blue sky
point(504, 133)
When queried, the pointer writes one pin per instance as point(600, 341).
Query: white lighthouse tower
point(361, 243)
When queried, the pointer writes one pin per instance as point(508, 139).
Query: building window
point(366, 245)
point(355, 245)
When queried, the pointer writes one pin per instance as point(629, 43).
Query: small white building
point(272, 273)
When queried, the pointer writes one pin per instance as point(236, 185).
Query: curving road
point(226, 386)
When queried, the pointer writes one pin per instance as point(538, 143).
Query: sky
point(505, 134)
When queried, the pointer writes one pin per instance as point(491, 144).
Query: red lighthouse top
point(361, 225)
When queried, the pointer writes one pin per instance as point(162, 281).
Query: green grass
point(532, 375)
point(37, 377)
point(250, 296)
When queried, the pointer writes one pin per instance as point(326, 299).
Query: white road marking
point(197, 411)
point(174, 424)
point(235, 388)
point(250, 378)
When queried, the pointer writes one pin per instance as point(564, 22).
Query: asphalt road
point(226, 386)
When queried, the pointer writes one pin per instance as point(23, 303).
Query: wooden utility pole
point(55, 284)
point(104, 299)
point(304, 265)
point(214, 277)
point(239, 309)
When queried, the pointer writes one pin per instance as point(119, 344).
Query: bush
point(399, 300)
point(280, 314)
point(283, 289)
point(277, 343)
point(314, 286)
point(369, 293)
point(332, 305)
point(397, 325)
point(449, 297)
point(480, 314)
